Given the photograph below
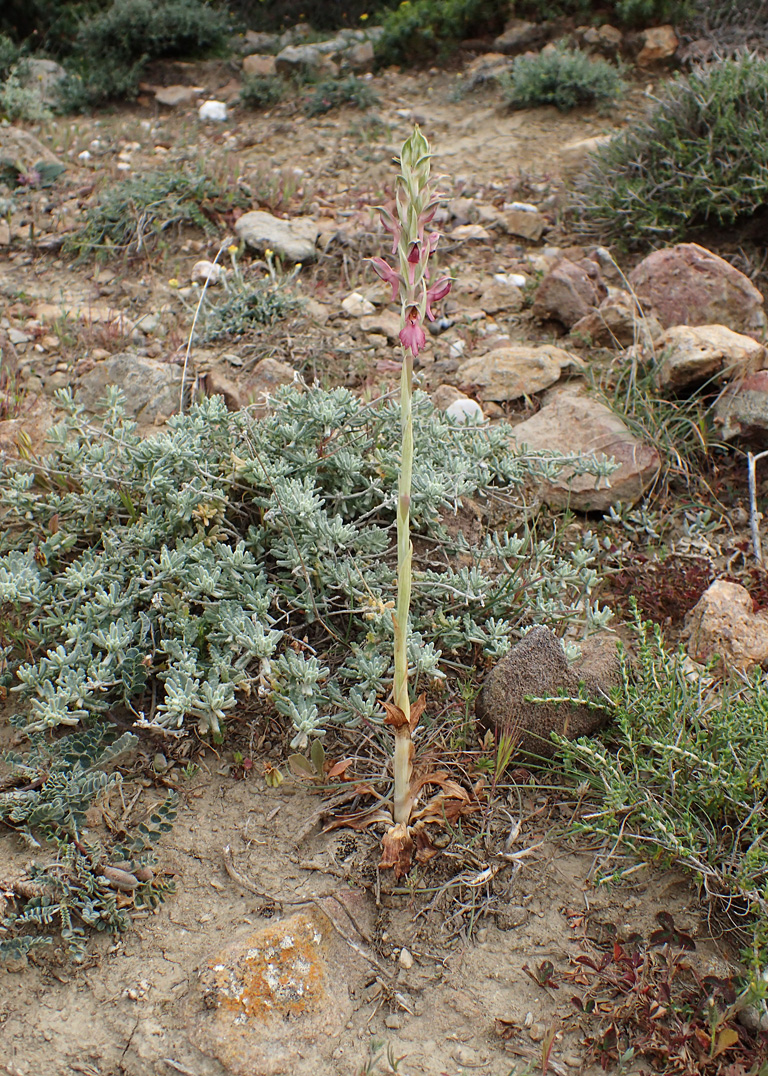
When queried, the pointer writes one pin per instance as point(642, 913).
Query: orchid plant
point(406, 219)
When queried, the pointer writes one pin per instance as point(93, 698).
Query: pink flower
point(388, 274)
point(412, 334)
point(438, 291)
point(391, 223)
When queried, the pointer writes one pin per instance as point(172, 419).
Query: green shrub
point(184, 567)
point(112, 48)
point(129, 216)
point(320, 14)
point(684, 781)
point(351, 92)
point(47, 25)
point(260, 91)
point(563, 77)
point(423, 30)
point(9, 56)
point(700, 158)
point(638, 13)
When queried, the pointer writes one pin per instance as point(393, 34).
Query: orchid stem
point(403, 759)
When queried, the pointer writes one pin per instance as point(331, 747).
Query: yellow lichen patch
point(278, 971)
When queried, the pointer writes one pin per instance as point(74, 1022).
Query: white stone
point(466, 411)
point(205, 270)
point(216, 111)
point(357, 306)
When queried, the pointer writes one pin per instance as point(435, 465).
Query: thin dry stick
point(754, 515)
point(225, 244)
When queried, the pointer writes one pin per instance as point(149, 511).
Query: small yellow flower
point(173, 282)
point(268, 253)
point(363, 17)
point(233, 248)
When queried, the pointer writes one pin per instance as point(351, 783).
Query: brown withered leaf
point(425, 849)
point(359, 820)
point(396, 850)
point(340, 768)
point(506, 1029)
point(396, 717)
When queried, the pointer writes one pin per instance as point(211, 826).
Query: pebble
point(536, 1032)
point(405, 960)
point(466, 411)
point(573, 1061)
point(393, 1020)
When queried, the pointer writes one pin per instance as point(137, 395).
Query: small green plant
point(260, 91)
point(18, 102)
point(562, 77)
point(425, 30)
point(249, 305)
point(700, 158)
point(639, 13)
point(52, 787)
point(130, 216)
point(10, 54)
point(685, 781)
point(349, 92)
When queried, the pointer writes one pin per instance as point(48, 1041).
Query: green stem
point(403, 746)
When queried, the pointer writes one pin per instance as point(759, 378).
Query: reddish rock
point(569, 292)
point(507, 373)
point(617, 322)
point(723, 629)
point(742, 410)
point(689, 285)
point(659, 44)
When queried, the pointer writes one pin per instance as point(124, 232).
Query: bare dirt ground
point(467, 1003)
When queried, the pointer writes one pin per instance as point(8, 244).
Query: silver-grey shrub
point(171, 576)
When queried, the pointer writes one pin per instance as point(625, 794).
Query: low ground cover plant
point(426, 30)
point(350, 92)
point(563, 77)
point(130, 216)
point(700, 158)
point(261, 91)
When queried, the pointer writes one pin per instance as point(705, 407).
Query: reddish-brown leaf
point(396, 850)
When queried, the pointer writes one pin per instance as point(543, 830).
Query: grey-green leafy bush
point(57, 782)
point(130, 216)
point(248, 306)
point(172, 576)
point(562, 77)
point(427, 30)
point(700, 158)
point(261, 91)
point(112, 48)
point(350, 92)
point(10, 54)
point(684, 780)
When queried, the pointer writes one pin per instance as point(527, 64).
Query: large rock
point(497, 297)
point(659, 44)
point(507, 373)
point(519, 36)
point(275, 1001)
point(293, 239)
point(742, 410)
point(617, 322)
point(687, 355)
point(151, 389)
point(723, 629)
point(259, 65)
point(23, 149)
point(524, 223)
point(537, 667)
point(573, 423)
point(689, 285)
point(305, 60)
point(569, 292)
point(43, 78)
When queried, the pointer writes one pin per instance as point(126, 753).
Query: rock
point(174, 96)
point(275, 1001)
point(210, 271)
point(689, 285)
point(24, 149)
point(215, 383)
point(575, 155)
point(524, 224)
point(268, 375)
point(519, 36)
point(213, 111)
point(617, 322)
point(461, 209)
point(485, 68)
point(514, 915)
point(742, 410)
point(605, 39)
point(497, 296)
point(257, 41)
point(465, 410)
point(151, 389)
point(507, 373)
point(405, 960)
point(359, 57)
point(537, 666)
point(357, 306)
point(261, 66)
point(43, 78)
point(444, 395)
point(688, 355)
point(569, 292)
point(659, 44)
point(304, 60)
point(469, 231)
point(722, 628)
point(293, 239)
point(383, 322)
point(572, 423)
